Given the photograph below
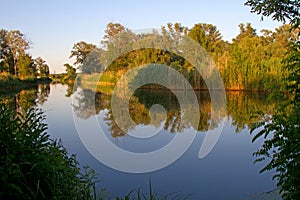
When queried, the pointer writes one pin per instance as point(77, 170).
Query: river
point(85, 122)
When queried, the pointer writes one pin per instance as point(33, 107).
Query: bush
point(32, 166)
point(8, 79)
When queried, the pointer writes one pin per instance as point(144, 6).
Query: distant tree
point(42, 67)
point(70, 73)
point(93, 62)
point(80, 51)
point(207, 35)
point(112, 29)
point(245, 31)
point(285, 35)
point(26, 67)
point(115, 40)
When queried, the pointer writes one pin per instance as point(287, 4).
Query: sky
point(55, 26)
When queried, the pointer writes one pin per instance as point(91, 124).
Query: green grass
point(7, 79)
point(104, 85)
point(10, 82)
point(106, 77)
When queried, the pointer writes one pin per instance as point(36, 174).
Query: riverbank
point(106, 81)
point(100, 82)
point(17, 84)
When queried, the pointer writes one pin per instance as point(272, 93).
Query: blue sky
point(54, 26)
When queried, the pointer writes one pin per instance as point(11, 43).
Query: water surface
point(227, 172)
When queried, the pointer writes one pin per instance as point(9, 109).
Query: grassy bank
point(9, 82)
point(105, 83)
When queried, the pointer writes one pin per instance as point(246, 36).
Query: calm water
point(227, 172)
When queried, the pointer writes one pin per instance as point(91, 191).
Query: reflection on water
point(227, 173)
point(241, 107)
point(27, 98)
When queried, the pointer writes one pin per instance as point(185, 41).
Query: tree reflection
point(241, 107)
point(43, 93)
point(26, 98)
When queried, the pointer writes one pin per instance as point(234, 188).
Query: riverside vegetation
point(281, 131)
point(33, 166)
point(270, 61)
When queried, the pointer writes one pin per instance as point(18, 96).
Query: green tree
point(207, 35)
point(42, 67)
point(93, 62)
point(247, 31)
point(80, 51)
point(282, 147)
point(70, 73)
point(115, 41)
point(6, 59)
point(18, 44)
point(27, 69)
point(280, 10)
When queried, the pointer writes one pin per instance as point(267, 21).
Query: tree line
point(250, 62)
point(16, 61)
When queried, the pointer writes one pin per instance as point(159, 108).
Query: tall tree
point(6, 59)
point(245, 31)
point(18, 44)
point(26, 67)
point(80, 51)
point(207, 35)
point(115, 41)
point(42, 67)
point(70, 73)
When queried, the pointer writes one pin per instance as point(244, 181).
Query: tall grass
point(33, 166)
point(6, 79)
point(138, 195)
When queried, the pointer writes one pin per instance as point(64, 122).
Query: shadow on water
point(240, 108)
point(26, 98)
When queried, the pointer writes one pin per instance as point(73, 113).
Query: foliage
point(292, 63)
point(42, 67)
point(280, 10)
point(70, 73)
point(281, 131)
point(281, 150)
point(17, 43)
point(35, 167)
point(249, 62)
point(26, 67)
point(16, 61)
point(80, 51)
point(32, 166)
point(8, 79)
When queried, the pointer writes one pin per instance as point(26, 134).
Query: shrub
point(33, 166)
point(8, 79)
